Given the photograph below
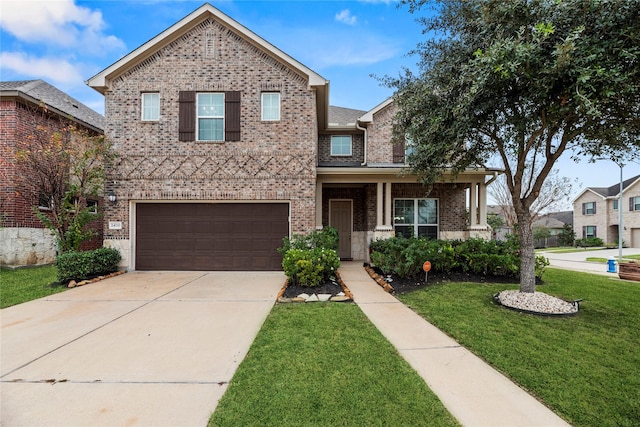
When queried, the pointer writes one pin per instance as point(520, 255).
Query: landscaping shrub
point(84, 265)
point(326, 238)
point(405, 257)
point(309, 267)
point(589, 242)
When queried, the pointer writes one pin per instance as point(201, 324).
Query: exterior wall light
point(112, 196)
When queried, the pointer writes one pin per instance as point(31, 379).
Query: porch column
point(318, 204)
point(387, 206)
point(482, 203)
point(473, 205)
point(379, 205)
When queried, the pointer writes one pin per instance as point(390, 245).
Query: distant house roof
point(555, 219)
point(36, 91)
point(612, 191)
point(342, 117)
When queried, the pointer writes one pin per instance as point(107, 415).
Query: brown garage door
point(210, 236)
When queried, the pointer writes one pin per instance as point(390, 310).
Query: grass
point(567, 249)
point(325, 364)
point(583, 367)
point(26, 284)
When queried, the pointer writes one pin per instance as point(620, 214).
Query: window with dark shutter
point(232, 116)
point(398, 152)
point(187, 116)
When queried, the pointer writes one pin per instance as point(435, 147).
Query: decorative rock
point(340, 294)
point(283, 299)
point(72, 284)
point(340, 298)
point(84, 282)
point(324, 297)
point(536, 302)
point(304, 296)
point(298, 299)
point(313, 298)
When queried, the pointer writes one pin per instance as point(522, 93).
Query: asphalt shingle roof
point(340, 116)
point(614, 189)
point(54, 97)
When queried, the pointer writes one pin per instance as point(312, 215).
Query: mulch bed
point(399, 285)
point(331, 287)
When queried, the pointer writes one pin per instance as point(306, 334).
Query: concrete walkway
point(474, 393)
point(140, 349)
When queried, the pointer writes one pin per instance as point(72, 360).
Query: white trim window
point(616, 202)
point(416, 217)
point(341, 145)
point(589, 208)
point(589, 231)
point(210, 120)
point(150, 106)
point(634, 204)
point(270, 106)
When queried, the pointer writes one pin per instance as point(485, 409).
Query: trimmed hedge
point(309, 260)
point(87, 264)
point(405, 257)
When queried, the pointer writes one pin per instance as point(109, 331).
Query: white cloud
point(346, 17)
point(57, 23)
point(54, 70)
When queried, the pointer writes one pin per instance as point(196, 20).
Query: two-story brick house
point(227, 144)
point(24, 107)
point(596, 214)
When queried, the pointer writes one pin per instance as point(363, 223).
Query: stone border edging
point(348, 296)
point(378, 279)
point(73, 283)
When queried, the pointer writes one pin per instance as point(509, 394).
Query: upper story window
point(634, 204)
point(150, 106)
point(409, 148)
point(615, 205)
point(416, 217)
point(270, 106)
point(210, 110)
point(209, 116)
point(589, 208)
point(340, 145)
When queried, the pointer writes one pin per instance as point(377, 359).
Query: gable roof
point(101, 81)
point(36, 91)
point(368, 116)
point(611, 191)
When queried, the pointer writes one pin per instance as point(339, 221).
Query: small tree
point(494, 221)
point(567, 236)
point(58, 167)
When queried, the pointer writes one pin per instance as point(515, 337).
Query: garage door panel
point(209, 236)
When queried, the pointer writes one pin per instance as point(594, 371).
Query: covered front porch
point(366, 204)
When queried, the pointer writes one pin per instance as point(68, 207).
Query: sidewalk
point(471, 390)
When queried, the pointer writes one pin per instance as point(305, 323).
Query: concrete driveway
point(140, 349)
point(577, 260)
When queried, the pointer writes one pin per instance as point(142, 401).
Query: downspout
point(495, 176)
point(364, 163)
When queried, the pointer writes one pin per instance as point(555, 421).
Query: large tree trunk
point(527, 254)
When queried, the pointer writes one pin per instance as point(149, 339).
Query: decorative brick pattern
point(274, 160)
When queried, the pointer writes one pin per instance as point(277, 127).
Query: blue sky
point(65, 42)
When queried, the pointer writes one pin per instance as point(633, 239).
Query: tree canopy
point(523, 81)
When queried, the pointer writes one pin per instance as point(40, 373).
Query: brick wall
point(451, 202)
point(324, 149)
point(272, 160)
point(379, 134)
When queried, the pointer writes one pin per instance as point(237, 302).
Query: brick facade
point(357, 150)
point(24, 240)
point(272, 161)
point(380, 133)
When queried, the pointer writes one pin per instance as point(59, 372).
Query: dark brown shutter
point(187, 116)
point(584, 209)
point(594, 207)
point(631, 204)
point(232, 116)
point(595, 231)
point(584, 232)
point(398, 152)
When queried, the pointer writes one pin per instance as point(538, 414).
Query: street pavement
point(576, 261)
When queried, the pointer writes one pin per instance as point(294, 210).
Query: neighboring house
point(25, 105)
point(596, 214)
point(227, 144)
point(554, 221)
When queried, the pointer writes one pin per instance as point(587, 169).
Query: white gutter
point(364, 163)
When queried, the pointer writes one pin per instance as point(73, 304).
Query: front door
point(340, 219)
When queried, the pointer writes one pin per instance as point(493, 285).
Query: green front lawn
point(325, 364)
point(584, 367)
point(26, 284)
